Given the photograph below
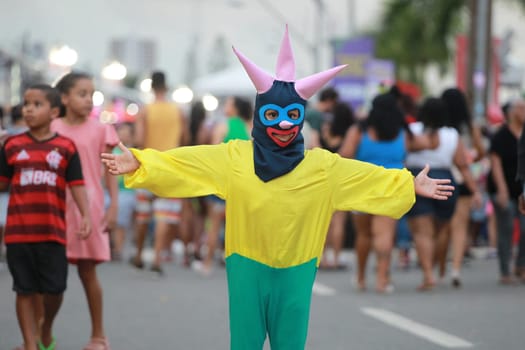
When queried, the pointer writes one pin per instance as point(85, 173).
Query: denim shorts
point(442, 210)
point(126, 208)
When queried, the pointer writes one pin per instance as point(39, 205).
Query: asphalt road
point(185, 310)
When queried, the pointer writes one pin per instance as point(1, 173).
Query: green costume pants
point(266, 300)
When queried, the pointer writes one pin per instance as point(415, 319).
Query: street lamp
point(114, 71)
point(63, 56)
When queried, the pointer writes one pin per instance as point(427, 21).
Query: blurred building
point(138, 55)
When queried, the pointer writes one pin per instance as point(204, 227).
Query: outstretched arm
point(432, 188)
point(120, 164)
point(178, 173)
point(373, 189)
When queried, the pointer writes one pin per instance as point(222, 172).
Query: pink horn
point(308, 86)
point(260, 79)
point(285, 69)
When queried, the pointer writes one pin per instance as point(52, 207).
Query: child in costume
point(280, 201)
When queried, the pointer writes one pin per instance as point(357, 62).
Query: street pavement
point(184, 310)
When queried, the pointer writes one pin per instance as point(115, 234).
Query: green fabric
point(236, 130)
point(266, 300)
point(314, 118)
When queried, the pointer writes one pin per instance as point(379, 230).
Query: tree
point(417, 33)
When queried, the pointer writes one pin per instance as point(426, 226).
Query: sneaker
point(158, 269)
point(138, 264)
point(201, 269)
point(388, 289)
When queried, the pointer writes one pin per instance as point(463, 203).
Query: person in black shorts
point(429, 220)
point(38, 165)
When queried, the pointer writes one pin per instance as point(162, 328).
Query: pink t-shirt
point(91, 139)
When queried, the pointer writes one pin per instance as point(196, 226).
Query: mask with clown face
point(279, 112)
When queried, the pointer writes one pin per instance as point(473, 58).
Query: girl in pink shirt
point(91, 139)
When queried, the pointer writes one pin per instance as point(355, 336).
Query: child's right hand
point(85, 228)
point(119, 164)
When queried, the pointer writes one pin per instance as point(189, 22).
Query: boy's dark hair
point(328, 94)
point(51, 94)
point(66, 83)
point(158, 81)
point(433, 113)
point(16, 113)
point(243, 107)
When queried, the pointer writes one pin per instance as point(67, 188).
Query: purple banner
point(351, 83)
point(380, 73)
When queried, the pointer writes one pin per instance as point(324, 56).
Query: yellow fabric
point(283, 222)
point(163, 126)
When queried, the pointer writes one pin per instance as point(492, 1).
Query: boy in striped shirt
point(39, 165)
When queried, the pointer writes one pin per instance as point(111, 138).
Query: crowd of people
point(486, 207)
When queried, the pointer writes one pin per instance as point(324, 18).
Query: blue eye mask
point(283, 114)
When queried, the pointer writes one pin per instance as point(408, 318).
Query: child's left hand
point(432, 188)
point(85, 228)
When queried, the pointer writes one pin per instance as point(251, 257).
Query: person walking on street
point(160, 126)
point(91, 138)
point(39, 165)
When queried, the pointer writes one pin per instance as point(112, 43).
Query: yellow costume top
point(283, 222)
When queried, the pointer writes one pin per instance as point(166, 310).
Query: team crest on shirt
point(53, 158)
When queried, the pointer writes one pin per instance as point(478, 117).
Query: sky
point(254, 26)
point(256, 29)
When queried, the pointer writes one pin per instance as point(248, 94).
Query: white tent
point(228, 82)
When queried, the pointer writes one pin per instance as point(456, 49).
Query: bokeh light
point(182, 95)
point(98, 98)
point(210, 102)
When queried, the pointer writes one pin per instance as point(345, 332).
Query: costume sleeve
point(369, 188)
point(183, 172)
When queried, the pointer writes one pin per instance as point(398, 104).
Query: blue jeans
point(403, 237)
point(505, 225)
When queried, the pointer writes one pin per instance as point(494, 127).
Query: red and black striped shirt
point(38, 172)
